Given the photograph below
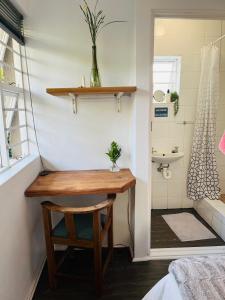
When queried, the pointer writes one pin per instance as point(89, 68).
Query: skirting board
point(174, 253)
point(37, 276)
point(140, 259)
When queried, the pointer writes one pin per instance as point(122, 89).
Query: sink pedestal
point(164, 169)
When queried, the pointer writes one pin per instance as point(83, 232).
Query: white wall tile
point(221, 112)
point(221, 169)
point(180, 115)
point(220, 127)
point(206, 214)
point(191, 62)
point(188, 96)
point(217, 225)
point(160, 130)
point(174, 203)
point(174, 194)
point(175, 130)
point(159, 195)
point(189, 113)
point(156, 176)
point(162, 144)
point(185, 38)
point(187, 203)
point(159, 203)
point(190, 80)
point(223, 231)
point(159, 189)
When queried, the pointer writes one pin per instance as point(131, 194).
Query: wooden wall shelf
point(74, 93)
point(92, 90)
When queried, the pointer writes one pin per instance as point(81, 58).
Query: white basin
point(166, 158)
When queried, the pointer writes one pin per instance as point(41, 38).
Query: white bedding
point(165, 289)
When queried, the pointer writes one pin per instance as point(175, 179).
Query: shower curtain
point(203, 178)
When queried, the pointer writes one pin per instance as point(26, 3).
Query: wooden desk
point(72, 183)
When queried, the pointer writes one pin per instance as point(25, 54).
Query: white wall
point(183, 38)
point(59, 55)
point(22, 243)
point(21, 5)
point(59, 52)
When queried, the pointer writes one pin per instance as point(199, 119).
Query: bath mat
point(187, 227)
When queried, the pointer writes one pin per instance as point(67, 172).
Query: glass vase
point(95, 76)
point(114, 168)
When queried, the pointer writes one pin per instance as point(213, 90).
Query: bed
point(192, 278)
point(166, 289)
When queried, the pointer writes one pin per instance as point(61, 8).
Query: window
point(166, 73)
point(14, 144)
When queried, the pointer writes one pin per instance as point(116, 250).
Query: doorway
point(176, 75)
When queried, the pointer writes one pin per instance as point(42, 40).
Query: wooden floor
point(163, 237)
point(124, 280)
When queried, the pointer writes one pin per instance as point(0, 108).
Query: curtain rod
point(220, 38)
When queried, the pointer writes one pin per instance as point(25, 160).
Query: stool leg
point(49, 249)
point(51, 266)
point(97, 254)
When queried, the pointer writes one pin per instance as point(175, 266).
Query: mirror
point(159, 96)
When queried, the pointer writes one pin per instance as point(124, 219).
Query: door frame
point(146, 18)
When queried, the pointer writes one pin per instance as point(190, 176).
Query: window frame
point(19, 93)
point(176, 60)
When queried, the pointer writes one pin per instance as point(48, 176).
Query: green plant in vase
point(114, 154)
point(175, 99)
point(96, 22)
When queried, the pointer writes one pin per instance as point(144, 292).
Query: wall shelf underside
point(74, 93)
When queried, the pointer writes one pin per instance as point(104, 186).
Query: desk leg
point(131, 217)
point(97, 253)
point(110, 232)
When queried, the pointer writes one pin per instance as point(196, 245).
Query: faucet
point(153, 150)
point(175, 150)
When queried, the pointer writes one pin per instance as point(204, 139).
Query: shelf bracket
point(74, 102)
point(118, 99)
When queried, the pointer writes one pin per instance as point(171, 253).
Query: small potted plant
point(114, 154)
point(175, 99)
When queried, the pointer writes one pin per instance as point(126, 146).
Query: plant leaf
point(114, 152)
point(96, 4)
point(112, 23)
point(95, 21)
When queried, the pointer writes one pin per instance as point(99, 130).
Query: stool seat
point(83, 227)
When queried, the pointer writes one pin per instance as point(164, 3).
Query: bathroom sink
point(166, 158)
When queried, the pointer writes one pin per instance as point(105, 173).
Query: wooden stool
point(83, 227)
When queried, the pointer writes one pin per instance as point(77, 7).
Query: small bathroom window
point(166, 76)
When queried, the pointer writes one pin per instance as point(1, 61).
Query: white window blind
point(14, 143)
point(166, 73)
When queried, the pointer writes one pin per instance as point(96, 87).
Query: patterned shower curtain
point(203, 179)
